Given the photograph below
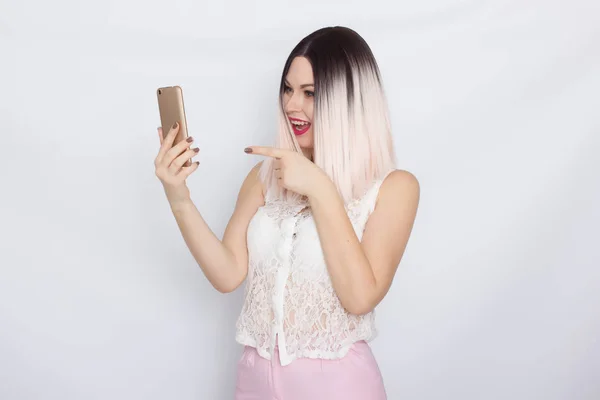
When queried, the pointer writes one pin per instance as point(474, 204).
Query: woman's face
point(298, 102)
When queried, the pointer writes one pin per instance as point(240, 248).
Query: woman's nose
point(293, 104)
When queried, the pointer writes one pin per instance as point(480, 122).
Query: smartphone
point(171, 110)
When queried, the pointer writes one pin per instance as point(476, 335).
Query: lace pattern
point(289, 301)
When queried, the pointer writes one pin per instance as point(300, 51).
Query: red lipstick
point(299, 129)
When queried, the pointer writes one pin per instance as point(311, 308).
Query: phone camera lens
point(159, 91)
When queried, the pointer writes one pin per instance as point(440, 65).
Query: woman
point(318, 230)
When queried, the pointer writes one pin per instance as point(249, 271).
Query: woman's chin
point(305, 141)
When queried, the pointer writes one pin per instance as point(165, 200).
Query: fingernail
point(175, 125)
point(197, 149)
point(248, 150)
point(190, 139)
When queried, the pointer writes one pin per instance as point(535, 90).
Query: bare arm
point(362, 271)
point(224, 263)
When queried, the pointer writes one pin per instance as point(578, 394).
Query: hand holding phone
point(173, 162)
point(172, 110)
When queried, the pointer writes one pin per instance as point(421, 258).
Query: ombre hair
point(351, 125)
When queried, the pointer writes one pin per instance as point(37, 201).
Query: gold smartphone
point(171, 110)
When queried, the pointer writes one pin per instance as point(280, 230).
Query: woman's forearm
point(214, 258)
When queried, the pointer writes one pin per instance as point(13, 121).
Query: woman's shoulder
point(400, 177)
point(399, 185)
point(252, 187)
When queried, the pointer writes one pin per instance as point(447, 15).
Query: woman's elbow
point(359, 307)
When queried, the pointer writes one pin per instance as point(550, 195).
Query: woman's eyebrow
point(301, 86)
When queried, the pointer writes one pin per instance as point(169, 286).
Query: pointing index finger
point(264, 151)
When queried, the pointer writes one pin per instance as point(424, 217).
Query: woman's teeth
point(300, 127)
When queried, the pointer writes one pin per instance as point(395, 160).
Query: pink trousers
point(353, 377)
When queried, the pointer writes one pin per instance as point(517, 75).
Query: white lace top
point(289, 300)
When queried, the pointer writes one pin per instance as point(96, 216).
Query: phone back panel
point(171, 109)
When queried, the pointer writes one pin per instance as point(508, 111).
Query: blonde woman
point(318, 230)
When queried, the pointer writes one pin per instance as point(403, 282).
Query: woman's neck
point(308, 153)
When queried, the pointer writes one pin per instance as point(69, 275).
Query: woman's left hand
point(293, 170)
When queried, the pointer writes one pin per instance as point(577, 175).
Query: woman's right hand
point(169, 164)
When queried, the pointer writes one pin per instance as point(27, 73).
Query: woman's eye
point(286, 89)
point(309, 93)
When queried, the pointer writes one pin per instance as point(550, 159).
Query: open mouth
point(299, 126)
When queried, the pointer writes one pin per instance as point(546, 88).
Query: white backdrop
point(495, 108)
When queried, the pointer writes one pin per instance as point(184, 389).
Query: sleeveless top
point(289, 302)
